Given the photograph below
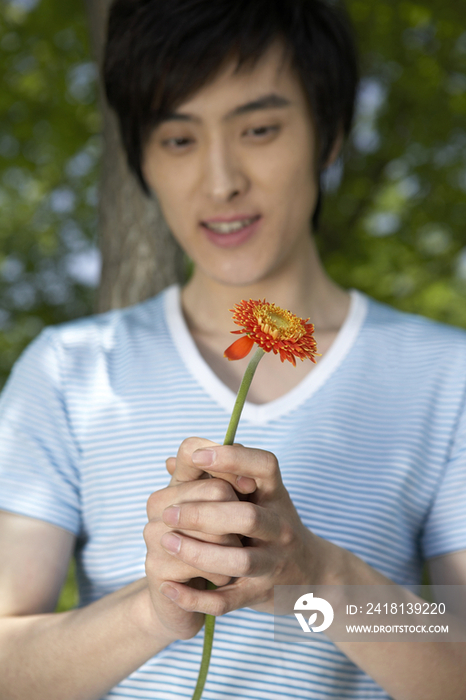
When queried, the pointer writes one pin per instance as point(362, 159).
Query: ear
point(336, 149)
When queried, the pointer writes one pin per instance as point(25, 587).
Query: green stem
point(209, 626)
point(242, 394)
point(209, 623)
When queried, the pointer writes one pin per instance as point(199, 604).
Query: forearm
point(406, 670)
point(80, 654)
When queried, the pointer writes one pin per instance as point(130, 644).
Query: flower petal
point(239, 349)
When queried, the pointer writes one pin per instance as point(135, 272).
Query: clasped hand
point(189, 535)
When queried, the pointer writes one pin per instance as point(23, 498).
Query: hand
point(163, 569)
point(278, 549)
point(182, 468)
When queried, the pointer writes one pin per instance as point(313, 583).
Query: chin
point(234, 275)
point(233, 280)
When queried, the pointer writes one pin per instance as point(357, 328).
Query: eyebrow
point(271, 101)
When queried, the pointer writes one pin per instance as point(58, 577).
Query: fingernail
point(204, 458)
point(171, 542)
point(246, 484)
point(169, 591)
point(171, 515)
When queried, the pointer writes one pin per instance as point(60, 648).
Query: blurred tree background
point(49, 152)
point(396, 226)
point(395, 206)
point(394, 213)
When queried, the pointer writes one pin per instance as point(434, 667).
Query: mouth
point(232, 232)
point(227, 227)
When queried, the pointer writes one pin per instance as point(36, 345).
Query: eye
point(177, 143)
point(262, 132)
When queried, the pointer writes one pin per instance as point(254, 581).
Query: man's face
point(234, 170)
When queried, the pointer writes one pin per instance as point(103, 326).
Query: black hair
point(160, 52)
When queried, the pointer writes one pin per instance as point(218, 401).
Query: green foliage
point(49, 147)
point(395, 226)
point(69, 595)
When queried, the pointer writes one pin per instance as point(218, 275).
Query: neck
point(302, 287)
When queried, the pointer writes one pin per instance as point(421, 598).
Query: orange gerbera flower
point(273, 329)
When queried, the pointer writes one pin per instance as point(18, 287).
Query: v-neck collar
point(225, 397)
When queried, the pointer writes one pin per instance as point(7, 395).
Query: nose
point(224, 175)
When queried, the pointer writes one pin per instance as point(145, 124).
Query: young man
point(354, 469)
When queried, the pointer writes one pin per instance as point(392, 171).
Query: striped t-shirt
point(371, 446)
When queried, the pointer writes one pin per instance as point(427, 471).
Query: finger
point(260, 465)
point(244, 485)
point(190, 600)
point(240, 517)
point(213, 558)
point(161, 566)
point(203, 490)
point(240, 594)
point(224, 540)
point(170, 464)
point(183, 468)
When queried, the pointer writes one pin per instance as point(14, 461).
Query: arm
point(281, 551)
point(408, 671)
point(449, 570)
point(82, 653)
point(77, 654)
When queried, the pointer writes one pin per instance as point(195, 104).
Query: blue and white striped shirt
point(371, 445)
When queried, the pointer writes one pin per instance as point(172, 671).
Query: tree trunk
point(139, 255)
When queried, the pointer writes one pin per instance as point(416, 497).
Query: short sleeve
point(39, 456)
point(445, 527)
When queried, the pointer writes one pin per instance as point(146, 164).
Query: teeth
point(229, 226)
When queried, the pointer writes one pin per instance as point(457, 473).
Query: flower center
point(279, 323)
